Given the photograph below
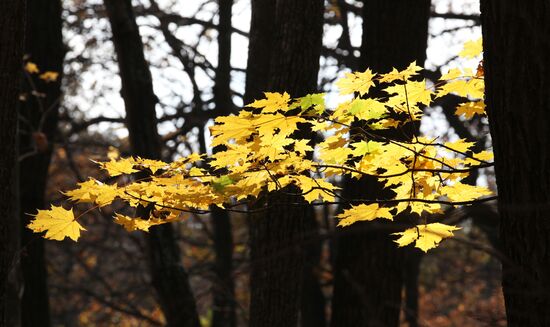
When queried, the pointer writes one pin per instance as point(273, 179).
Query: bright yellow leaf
point(472, 49)
point(473, 88)
point(119, 167)
point(367, 109)
point(459, 192)
point(57, 222)
point(363, 212)
point(356, 82)
point(469, 109)
point(460, 145)
point(232, 128)
point(131, 224)
point(272, 103)
point(427, 236)
point(412, 70)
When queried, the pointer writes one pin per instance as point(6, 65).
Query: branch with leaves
point(263, 153)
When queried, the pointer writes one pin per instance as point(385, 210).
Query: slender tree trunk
point(168, 274)
point(369, 266)
point(12, 27)
point(224, 292)
point(284, 50)
point(517, 77)
point(44, 47)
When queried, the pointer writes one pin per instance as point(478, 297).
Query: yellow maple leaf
point(119, 167)
point(425, 236)
point(94, 191)
point(235, 153)
point(31, 68)
point(49, 76)
point(452, 74)
point(473, 88)
point(57, 222)
point(232, 127)
point(314, 188)
point(405, 74)
point(131, 224)
point(273, 145)
point(367, 109)
point(356, 82)
point(363, 212)
point(472, 49)
point(273, 102)
point(301, 146)
point(463, 192)
point(460, 145)
point(420, 207)
point(410, 94)
point(268, 124)
point(361, 148)
point(469, 109)
point(153, 165)
point(483, 156)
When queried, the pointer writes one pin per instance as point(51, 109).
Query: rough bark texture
point(224, 292)
point(168, 274)
point(12, 20)
point(44, 47)
point(369, 267)
point(285, 45)
point(517, 77)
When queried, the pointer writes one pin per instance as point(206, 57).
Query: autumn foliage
point(263, 152)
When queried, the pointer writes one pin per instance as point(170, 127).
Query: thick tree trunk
point(224, 289)
point(517, 77)
point(369, 266)
point(44, 47)
point(12, 27)
point(168, 274)
point(313, 306)
point(284, 50)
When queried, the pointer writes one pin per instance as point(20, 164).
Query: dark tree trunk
point(168, 274)
point(284, 50)
point(517, 77)
point(313, 313)
point(12, 28)
point(224, 292)
point(369, 266)
point(44, 47)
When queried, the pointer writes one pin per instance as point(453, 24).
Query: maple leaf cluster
point(263, 152)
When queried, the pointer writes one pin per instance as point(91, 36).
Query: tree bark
point(169, 277)
point(224, 292)
point(284, 50)
point(369, 266)
point(12, 27)
point(44, 47)
point(517, 78)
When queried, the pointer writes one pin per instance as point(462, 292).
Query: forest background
point(196, 54)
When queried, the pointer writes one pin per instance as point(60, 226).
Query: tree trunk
point(12, 27)
point(369, 266)
point(284, 50)
point(313, 304)
point(168, 274)
point(44, 47)
point(224, 292)
point(517, 77)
